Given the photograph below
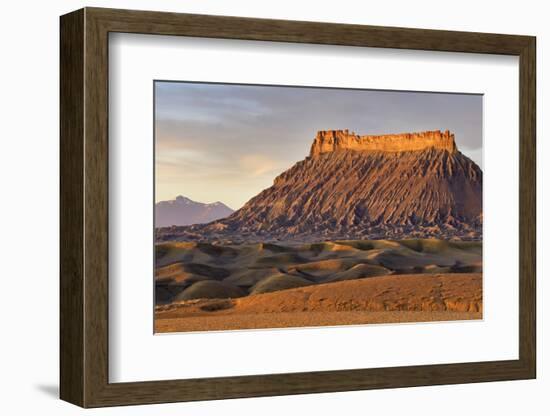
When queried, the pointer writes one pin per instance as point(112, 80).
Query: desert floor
point(384, 299)
point(217, 286)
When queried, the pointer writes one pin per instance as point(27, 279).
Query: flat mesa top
point(331, 140)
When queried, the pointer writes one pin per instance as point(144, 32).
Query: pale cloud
point(257, 164)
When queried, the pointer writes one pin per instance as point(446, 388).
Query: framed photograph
point(254, 207)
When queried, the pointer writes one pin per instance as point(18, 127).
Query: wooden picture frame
point(84, 207)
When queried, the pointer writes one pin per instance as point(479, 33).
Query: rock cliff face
point(333, 140)
point(358, 187)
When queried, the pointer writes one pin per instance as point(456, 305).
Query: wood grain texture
point(527, 208)
point(84, 207)
point(162, 23)
point(96, 219)
point(72, 215)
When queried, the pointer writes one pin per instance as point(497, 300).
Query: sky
point(227, 142)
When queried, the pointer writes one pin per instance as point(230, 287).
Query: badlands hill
point(201, 286)
point(412, 185)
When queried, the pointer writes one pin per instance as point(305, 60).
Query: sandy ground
point(303, 319)
point(383, 299)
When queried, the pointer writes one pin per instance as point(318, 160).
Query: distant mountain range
point(410, 185)
point(184, 211)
